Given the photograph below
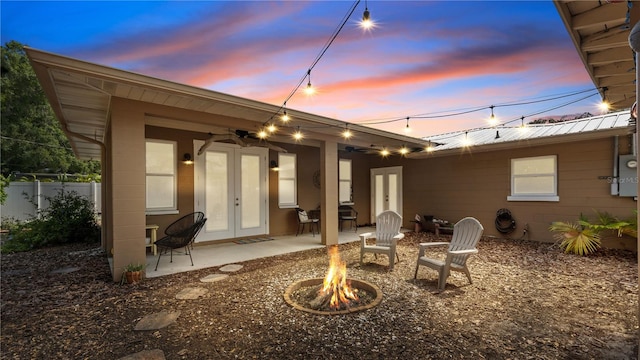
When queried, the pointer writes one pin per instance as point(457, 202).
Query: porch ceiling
point(600, 31)
point(81, 94)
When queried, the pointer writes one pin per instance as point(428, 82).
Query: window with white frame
point(287, 181)
point(534, 179)
point(344, 182)
point(161, 176)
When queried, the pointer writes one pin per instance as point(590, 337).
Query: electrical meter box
point(628, 175)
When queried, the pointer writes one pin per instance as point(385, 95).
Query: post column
point(329, 192)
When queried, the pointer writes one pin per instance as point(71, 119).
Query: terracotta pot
point(133, 276)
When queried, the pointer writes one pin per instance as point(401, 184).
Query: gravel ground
point(528, 301)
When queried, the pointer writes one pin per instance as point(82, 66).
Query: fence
point(24, 199)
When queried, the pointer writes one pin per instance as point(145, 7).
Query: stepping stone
point(191, 293)
point(155, 354)
point(157, 321)
point(213, 278)
point(65, 270)
point(231, 268)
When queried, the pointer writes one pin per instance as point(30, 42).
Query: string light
point(493, 121)
point(262, 134)
point(298, 135)
point(466, 142)
point(604, 105)
point(384, 152)
point(404, 150)
point(523, 127)
point(429, 147)
point(285, 118)
point(366, 22)
point(309, 90)
point(592, 91)
point(347, 134)
point(407, 129)
point(272, 128)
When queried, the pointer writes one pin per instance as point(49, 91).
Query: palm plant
point(579, 237)
point(583, 237)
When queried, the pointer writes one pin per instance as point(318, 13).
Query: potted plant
point(133, 272)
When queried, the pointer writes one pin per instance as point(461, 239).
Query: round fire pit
point(373, 291)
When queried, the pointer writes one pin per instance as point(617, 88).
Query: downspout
point(614, 178)
point(634, 43)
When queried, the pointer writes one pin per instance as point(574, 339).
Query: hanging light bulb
point(523, 127)
point(271, 128)
point(466, 141)
point(404, 150)
point(298, 135)
point(429, 147)
point(492, 119)
point(604, 105)
point(262, 134)
point(384, 152)
point(366, 22)
point(309, 90)
point(347, 134)
point(407, 129)
point(284, 116)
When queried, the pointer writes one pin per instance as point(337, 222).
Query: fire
point(336, 284)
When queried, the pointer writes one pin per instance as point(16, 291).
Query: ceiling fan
point(240, 137)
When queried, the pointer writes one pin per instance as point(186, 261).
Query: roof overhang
point(81, 94)
point(600, 32)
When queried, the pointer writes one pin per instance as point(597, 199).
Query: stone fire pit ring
point(358, 284)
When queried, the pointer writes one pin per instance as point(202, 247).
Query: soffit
point(81, 94)
point(600, 32)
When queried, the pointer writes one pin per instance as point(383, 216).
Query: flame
point(336, 283)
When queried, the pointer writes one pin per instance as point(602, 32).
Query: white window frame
point(289, 177)
point(345, 178)
point(172, 196)
point(552, 195)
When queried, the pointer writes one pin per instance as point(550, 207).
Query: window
point(534, 179)
point(161, 171)
point(344, 182)
point(287, 181)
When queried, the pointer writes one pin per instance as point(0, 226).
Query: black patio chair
point(180, 234)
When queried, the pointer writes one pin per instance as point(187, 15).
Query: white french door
point(230, 187)
point(386, 190)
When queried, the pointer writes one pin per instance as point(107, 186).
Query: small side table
point(448, 229)
point(152, 229)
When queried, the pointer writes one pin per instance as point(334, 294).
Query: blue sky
point(425, 60)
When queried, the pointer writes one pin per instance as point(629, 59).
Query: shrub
point(68, 219)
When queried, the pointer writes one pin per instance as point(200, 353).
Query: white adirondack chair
point(466, 234)
point(385, 238)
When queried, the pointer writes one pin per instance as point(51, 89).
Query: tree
point(32, 140)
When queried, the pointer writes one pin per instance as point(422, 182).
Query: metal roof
point(493, 138)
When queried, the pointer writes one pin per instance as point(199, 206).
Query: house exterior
point(141, 128)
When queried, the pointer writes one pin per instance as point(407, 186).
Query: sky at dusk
point(426, 60)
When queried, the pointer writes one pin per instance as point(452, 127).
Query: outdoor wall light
point(273, 165)
point(187, 160)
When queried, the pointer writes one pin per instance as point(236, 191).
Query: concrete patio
point(206, 256)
